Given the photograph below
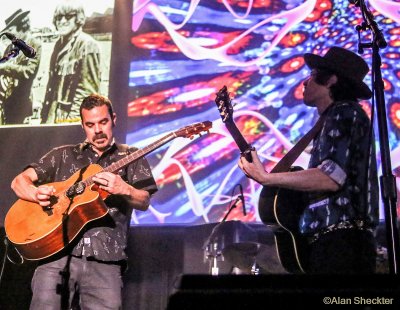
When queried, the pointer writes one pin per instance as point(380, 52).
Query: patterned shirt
point(105, 241)
point(341, 150)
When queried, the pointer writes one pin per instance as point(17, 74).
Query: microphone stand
point(212, 247)
point(12, 54)
point(387, 180)
point(233, 206)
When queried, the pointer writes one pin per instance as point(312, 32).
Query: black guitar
point(278, 208)
point(281, 209)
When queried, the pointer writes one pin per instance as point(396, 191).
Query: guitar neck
point(114, 167)
point(241, 142)
point(139, 153)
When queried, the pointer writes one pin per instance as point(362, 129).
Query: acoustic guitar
point(278, 208)
point(38, 233)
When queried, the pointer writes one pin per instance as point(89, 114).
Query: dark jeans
point(99, 284)
point(344, 251)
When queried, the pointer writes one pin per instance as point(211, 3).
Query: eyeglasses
point(67, 16)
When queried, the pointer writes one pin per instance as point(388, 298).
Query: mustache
point(100, 136)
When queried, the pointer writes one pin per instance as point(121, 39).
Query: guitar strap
point(286, 162)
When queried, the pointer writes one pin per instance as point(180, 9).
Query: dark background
point(168, 268)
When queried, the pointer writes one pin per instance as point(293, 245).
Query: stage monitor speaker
point(281, 292)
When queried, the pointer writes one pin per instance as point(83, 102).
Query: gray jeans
point(99, 284)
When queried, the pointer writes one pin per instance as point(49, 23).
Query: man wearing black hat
point(341, 179)
point(17, 75)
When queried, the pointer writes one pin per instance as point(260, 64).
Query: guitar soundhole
point(49, 209)
point(53, 200)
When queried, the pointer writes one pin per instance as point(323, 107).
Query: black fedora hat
point(15, 18)
point(345, 64)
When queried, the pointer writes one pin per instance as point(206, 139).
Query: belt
point(354, 225)
point(93, 259)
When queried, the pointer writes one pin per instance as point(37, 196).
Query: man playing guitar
point(341, 179)
point(91, 263)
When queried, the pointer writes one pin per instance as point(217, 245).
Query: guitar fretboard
point(134, 156)
point(187, 132)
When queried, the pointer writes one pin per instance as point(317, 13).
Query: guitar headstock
point(224, 105)
point(194, 129)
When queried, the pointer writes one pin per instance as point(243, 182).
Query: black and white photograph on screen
point(53, 54)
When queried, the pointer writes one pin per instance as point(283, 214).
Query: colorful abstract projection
point(184, 52)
